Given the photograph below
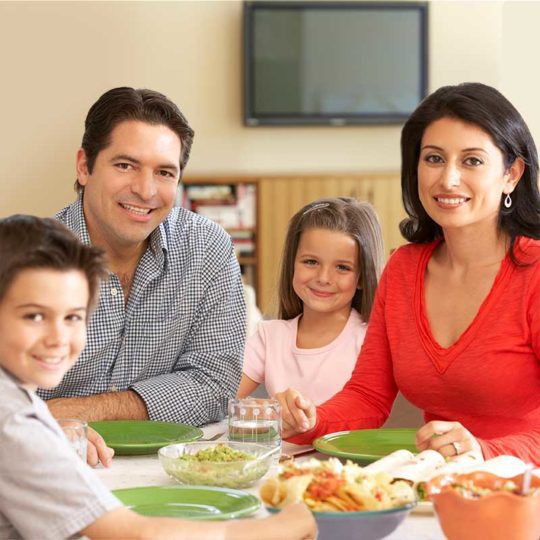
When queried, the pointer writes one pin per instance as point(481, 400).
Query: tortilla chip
point(295, 488)
point(272, 492)
point(322, 506)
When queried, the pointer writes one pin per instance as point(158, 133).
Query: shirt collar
point(78, 220)
point(10, 377)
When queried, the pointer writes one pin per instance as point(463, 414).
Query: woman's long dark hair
point(487, 108)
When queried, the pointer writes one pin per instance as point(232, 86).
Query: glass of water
point(76, 433)
point(255, 420)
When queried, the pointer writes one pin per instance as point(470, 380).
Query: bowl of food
point(347, 503)
point(483, 505)
point(229, 464)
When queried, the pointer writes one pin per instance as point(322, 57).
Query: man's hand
point(297, 412)
point(448, 438)
point(97, 450)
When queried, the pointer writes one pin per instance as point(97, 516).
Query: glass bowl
point(498, 515)
point(234, 474)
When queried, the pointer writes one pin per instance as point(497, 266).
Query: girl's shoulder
point(355, 319)
point(274, 326)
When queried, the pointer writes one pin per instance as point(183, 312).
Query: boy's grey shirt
point(46, 490)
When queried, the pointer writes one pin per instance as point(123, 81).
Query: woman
point(455, 324)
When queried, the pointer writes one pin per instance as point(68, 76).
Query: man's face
point(43, 325)
point(133, 184)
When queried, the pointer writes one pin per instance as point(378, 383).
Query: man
point(167, 338)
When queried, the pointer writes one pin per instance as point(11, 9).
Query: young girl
point(332, 260)
point(49, 283)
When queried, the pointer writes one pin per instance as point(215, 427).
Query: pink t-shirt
point(272, 358)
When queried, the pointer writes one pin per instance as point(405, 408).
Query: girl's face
point(461, 174)
point(43, 325)
point(326, 271)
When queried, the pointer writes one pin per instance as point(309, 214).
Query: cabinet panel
point(281, 197)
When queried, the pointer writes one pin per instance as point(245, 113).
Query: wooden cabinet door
point(281, 197)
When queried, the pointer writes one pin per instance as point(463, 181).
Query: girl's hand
point(97, 450)
point(448, 438)
point(297, 412)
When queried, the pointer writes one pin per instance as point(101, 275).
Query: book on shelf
point(241, 234)
point(244, 246)
point(215, 191)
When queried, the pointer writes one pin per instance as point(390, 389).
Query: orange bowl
point(499, 515)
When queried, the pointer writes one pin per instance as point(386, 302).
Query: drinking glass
point(76, 433)
point(255, 420)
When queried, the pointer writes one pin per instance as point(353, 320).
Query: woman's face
point(462, 175)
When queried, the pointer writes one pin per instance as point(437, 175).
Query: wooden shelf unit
point(278, 197)
point(243, 236)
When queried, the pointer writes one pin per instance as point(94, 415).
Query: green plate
point(366, 445)
point(136, 437)
point(190, 502)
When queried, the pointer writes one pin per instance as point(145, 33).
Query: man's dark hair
point(129, 104)
point(29, 242)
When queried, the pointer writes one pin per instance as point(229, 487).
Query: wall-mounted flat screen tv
point(334, 62)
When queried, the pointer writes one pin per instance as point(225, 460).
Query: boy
point(49, 283)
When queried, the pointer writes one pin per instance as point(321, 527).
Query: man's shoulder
point(189, 227)
point(65, 215)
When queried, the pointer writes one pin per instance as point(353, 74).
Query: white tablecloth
point(137, 471)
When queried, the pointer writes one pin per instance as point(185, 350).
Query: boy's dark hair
point(129, 104)
point(349, 216)
point(487, 108)
point(29, 242)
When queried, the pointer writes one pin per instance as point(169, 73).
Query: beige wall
point(58, 57)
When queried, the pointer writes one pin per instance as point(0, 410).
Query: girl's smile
point(326, 271)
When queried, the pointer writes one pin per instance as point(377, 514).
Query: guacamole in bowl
point(229, 464)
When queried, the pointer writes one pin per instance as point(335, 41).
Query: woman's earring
point(508, 201)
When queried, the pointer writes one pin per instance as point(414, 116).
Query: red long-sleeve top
point(489, 380)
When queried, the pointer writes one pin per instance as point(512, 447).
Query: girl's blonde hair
point(342, 214)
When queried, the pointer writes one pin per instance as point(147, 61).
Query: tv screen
point(333, 62)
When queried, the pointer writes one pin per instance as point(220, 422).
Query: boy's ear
point(82, 167)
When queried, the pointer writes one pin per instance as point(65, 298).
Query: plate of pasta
point(342, 497)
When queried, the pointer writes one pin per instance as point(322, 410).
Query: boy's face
point(43, 325)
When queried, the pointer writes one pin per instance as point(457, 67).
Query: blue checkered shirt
point(179, 340)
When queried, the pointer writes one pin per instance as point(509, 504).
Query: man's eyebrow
point(126, 157)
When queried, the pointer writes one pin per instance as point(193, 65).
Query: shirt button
point(114, 388)
point(114, 292)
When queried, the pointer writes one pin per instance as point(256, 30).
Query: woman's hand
point(448, 438)
point(97, 450)
point(297, 412)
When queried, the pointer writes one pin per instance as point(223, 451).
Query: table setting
point(138, 478)
point(220, 471)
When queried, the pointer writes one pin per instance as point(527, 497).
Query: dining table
point(146, 470)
